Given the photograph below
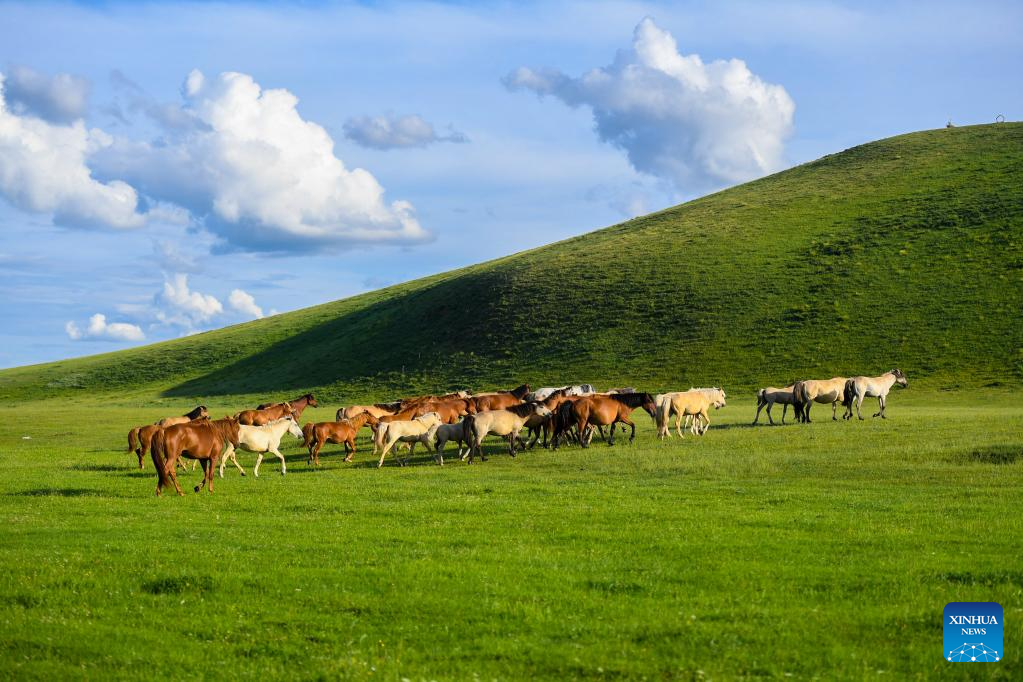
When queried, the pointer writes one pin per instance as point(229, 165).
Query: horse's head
point(541, 410)
point(369, 419)
point(430, 418)
point(310, 400)
point(900, 378)
point(288, 409)
point(718, 397)
point(294, 429)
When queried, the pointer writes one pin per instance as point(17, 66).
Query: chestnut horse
point(450, 410)
point(378, 410)
point(340, 432)
point(139, 437)
point(203, 440)
point(298, 405)
point(602, 410)
point(265, 416)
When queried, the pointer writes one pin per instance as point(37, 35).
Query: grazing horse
point(823, 391)
point(377, 411)
point(695, 402)
point(767, 397)
point(201, 440)
point(261, 440)
point(412, 431)
point(264, 416)
point(140, 436)
point(604, 410)
point(858, 388)
point(339, 432)
point(298, 405)
point(503, 422)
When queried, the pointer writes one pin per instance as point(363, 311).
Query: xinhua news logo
point(972, 632)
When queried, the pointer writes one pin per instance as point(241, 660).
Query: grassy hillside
point(907, 252)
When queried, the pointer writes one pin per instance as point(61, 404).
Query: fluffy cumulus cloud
point(244, 303)
point(178, 305)
point(258, 175)
point(698, 125)
point(60, 99)
point(43, 169)
point(101, 330)
point(396, 132)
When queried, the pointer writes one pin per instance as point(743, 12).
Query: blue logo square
point(972, 632)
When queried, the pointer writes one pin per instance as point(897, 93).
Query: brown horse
point(139, 437)
point(202, 440)
point(298, 405)
point(450, 410)
point(600, 410)
point(266, 415)
point(340, 432)
point(494, 401)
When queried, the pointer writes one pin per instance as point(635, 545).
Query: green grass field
point(824, 551)
point(817, 551)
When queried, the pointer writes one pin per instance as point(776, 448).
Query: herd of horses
point(557, 415)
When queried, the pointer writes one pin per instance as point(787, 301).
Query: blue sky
point(167, 168)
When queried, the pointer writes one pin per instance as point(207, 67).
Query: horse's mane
point(632, 399)
point(522, 409)
point(194, 414)
point(520, 391)
point(396, 405)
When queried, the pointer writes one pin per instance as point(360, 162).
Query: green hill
point(903, 252)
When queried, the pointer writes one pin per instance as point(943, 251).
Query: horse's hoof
point(196, 488)
point(243, 473)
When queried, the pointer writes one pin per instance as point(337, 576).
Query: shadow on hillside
point(63, 492)
point(385, 337)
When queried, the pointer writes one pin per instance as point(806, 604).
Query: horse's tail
point(307, 435)
point(849, 393)
point(156, 450)
point(134, 444)
point(468, 432)
point(339, 415)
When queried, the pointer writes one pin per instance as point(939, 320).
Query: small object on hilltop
point(999, 118)
point(949, 124)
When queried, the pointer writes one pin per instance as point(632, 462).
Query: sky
point(168, 168)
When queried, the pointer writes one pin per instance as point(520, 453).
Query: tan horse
point(823, 391)
point(412, 431)
point(264, 416)
point(339, 432)
point(504, 422)
point(202, 440)
point(450, 410)
point(767, 397)
point(858, 388)
point(377, 411)
point(694, 402)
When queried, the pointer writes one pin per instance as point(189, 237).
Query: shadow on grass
point(64, 492)
point(994, 454)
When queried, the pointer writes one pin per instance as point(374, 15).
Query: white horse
point(858, 388)
point(823, 391)
point(544, 393)
point(261, 440)
point(412, 431)
point(692, 403)
point(507, 422)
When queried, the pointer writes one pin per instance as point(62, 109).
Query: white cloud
point(179, 305)
point(43, 169)
point(260, 176)
point(60, 99)
point(699, 125)
point(100, 329)
point(244, 303)
point(395, 132)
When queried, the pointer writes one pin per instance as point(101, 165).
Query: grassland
point(824, 551)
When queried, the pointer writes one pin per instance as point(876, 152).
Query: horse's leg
point(834, 406)
point(705, 419)
point(205, 464)
point(678, 423)
point(626, 420)
point(760, 406)
point(314, 453)
point(284, 465)
point(172, 471)
point(386, 447)
point(581, 427)
point(612, 441)
point(880, 411)
point(259, 460)
point(350, 443)
point(859, 401)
